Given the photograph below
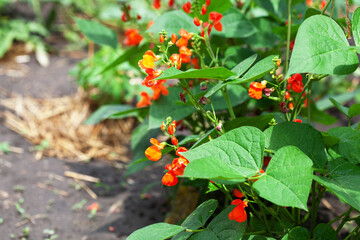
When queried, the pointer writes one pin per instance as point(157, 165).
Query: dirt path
point(36, 194)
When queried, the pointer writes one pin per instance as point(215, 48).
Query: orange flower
point(145, 100)
point(173, 38)
point(255, 90)
point(238, 194)
point(195, 62)
point(295, 82)
point(298, 120)
point(196, 21)
point(179, 150)
point(93, 207)
point(185, 54)
point(287, 95)
point(150, 81)
point(159, 89)
point(149, 59)
point(187, 7)
point(309, 3)
point(175, 60)
point(133, 37)
point(291, 106)
point(169, 179)
point(322, 4)
point(161, 38)
point(238, 213)
point(174, 140)
point(153, 153)
point(172, 128)
point(149, 24)
point(185, 37)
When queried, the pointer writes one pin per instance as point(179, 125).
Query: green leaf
point(324, 231)
point(166, 106)
point(235, 25)
point(258, 237)
point(241, 148)
point(211, 73)
point(265, 38)
point(356, 26)
point(189, 139)
point(322, 48)
point(106, 111)
point(354, 110)
point(302, 136)
point(297, 233)
point(243, 66)
point(157, 231)
point(197, 218)
point(172, 22)
point(329, 140)
point(343, 181)
point(260, 122)
point(216, 169)
point(349, 145)
point(311, 12)
point(340, 107)
point(325, 103)
point(288, 178)
point(97, 32)
point(225, 228)
point(259, 70)
point(214, 89)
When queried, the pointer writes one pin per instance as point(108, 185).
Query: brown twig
point(78, 176)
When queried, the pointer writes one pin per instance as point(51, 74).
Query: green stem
point(288, 39)
point(197, 230)
point(344, 220)
point(228, 103)
point(37, 10)
point(325, 7)
point(255, 233)
point(332, 8)
point(309, 103)
point(353, 233)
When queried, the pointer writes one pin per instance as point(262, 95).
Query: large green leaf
point(172, 22)
point(197, 218)
point(240, 148)
point(356, 26)
point(167, 106)
point(322, 48)
point(211, 73)
point(244, 65)
point(97, 32)
point(302, 136)
point(288, 178)
point(343, 181)
point(225, 228)
point(260, 122)
point(324, 231)
point(354, 110)
point(157, 231)
point(264, 35)
point(235, 25)
point(257, 71)
point(349, 145)
point(106, 111)
point(297, 233)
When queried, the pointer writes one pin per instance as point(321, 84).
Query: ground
point(49, 200)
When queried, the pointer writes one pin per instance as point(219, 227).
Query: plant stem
point(332, 8)
point(352, 233)
point(297, 104)
point(228, 103)
point(313, 210)
point(344, 220)
point(309, 103)
point(325, 7)
point(255, 233)
point(288, 42)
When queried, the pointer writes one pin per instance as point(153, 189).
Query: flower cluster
point(153, 153)
point(256, 89)
point(238, 213)
point(176, 168)
point(310, 3)
point(132, 37)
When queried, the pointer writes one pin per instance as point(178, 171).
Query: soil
point(39, 186)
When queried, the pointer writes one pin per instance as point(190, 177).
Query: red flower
point(309, 3)
point(174, 140)
point(159, 89)
point(171, 3)
point(179, 150)
point(238, 194)
point(149, 59)
point(123, 17)
point(172, 128)
point(203, 9)
point(93, 207)
point(295, 82)
point(185, 54)
point(298, 120)
point(133, 37)
point(238, 213)
point(291, 45)
point(195, 62)
point(216, 18)
point(322, 4)
point(161, 38)
point(187, 7)
point(150, 81)
point(205, 25)
point(157, 4)
point(207, 2)
point(153, 153)
point(145, 100)
point(169, 179)
point(185, 37)
point(196, 21)
point(255, 90)
point(173, 38)
point(291, 106)
point(287, 95)
point(175, 60)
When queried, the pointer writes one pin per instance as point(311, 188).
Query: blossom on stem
point(173, 38)
point(156, 4)
point(159, 89)
point(176, 168)
point(171, 3)
point(298, 120)
point(149, 59)
point(153, 153)
point(145, 100)
point(169, 179)
point(149, 80)
point(295, 82)
point(185, 37)
point(133, 37)
point(197, 21)
point(216, 17)
point(174, 140)
point(208, 2)
point(185, 54)
point(203, 10)
point(255, 90)
point(175, 60)
point(238, 213)
point(187, 7)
